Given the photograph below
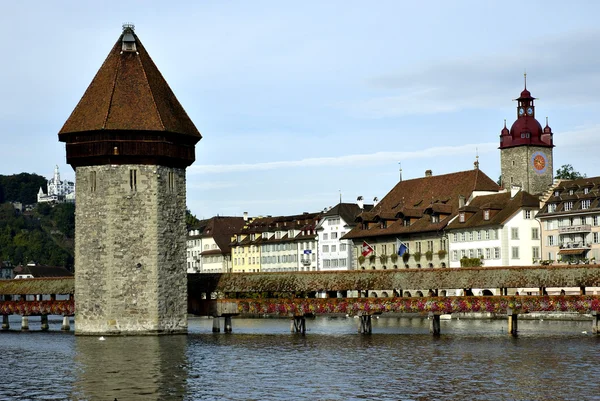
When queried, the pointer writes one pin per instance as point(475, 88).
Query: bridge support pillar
point(228, 325)
point(298, 325)
point(434, 324)
point(5, 324)
point(25, 323)
point(365, 325)
point(595, 323)
point(45, 325)
point(216, 325)
point(66, 326)
point(512, 322)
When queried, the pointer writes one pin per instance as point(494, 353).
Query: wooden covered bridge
point(295, 294)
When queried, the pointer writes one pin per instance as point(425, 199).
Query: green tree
point(190, 219)
point(567, 172)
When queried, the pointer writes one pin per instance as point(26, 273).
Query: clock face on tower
point(539, 162)
point(529, 111)
point(521, 111)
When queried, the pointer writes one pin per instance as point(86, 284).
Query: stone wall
point(130, 275)
point(516, 164)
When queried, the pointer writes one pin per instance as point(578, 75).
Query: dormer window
point(551, 207)
point(571, 191)
point(586, 191)
point(383, 224)
point(486, 214)
point(556, 193)
point(586, 203)
point(568, 206)
point(461, 217)
point(435, 218)
point(406, 222)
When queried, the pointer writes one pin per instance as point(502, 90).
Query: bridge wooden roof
point(29, 286)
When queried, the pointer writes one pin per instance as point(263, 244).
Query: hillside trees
point(21, 187)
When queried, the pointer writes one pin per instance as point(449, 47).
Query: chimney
point(461, 201)
point(375, 201)
point(428, 173)
point(245, 216)
point(360, 202)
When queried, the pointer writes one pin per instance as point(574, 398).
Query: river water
point(262, 360)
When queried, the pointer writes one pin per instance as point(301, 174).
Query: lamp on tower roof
point(128, 38)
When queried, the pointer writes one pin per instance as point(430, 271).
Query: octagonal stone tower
point(129, 141)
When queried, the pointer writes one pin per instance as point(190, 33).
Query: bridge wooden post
point(5, 324)
point(228, 325)
point(365, 325)
point(434, 323)
point(25, 323)
point(582, 290)
point(216, 324)
point(595, 322)
point(512, 322)
point(45, 325)
point(66, 326)
point(298, 325)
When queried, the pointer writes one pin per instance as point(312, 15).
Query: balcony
point(585, 228)
point(575, 245)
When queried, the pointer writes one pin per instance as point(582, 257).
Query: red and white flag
point(366, 249)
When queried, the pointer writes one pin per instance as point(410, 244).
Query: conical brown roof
point(129, 93)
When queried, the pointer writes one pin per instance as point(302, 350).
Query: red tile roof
point(418, 198)
point(129, 93)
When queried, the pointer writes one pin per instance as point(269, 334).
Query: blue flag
point(402, 249)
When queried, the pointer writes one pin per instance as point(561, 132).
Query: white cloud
point(348, 160)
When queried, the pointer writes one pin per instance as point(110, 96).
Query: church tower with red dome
point(526, 149)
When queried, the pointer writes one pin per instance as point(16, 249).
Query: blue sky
point(299, 102)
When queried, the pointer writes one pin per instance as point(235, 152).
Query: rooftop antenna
point(400, 163)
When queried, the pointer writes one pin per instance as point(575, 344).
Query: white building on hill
point(57, 191)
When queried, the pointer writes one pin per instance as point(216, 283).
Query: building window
point(325, 237)
point(497, 253)
point(595, 220)
point(333, 248)
point(454, 256)
point(479, 235)
point(443, 244)
point(487, 234)
point(470, 235)
point(325, 248)
point(334, 235)
point(343, 247)
point(535, 252)
point(586, 191)
point(527, 214)
point(514, 233)
point(133, 179)
point(596, 237)
point(486, 214)
point(488, 253)
point(571, 191)
point(568, 206)
point(418, 246)
point(515, 252)
point(461, 217)
point(430, 246)
point(585, 204)
point(551, 207)
point(435, 218)
point(550, 240)
point(535, 233)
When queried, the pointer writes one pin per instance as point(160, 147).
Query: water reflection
point(125, 368)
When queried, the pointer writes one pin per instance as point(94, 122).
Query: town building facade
point(570, 219)
point(208, 244)
point(337, 253)
point(498, 229)
point(411, 220)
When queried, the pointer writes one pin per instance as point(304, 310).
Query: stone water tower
point(129, 141)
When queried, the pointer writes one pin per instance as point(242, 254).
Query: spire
point(476, 163)
point(525, 78)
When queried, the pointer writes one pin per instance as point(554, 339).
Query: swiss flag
point(366, 249)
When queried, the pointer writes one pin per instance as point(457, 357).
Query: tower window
point(171, 181)
point(133, 179)
point(92, 181)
